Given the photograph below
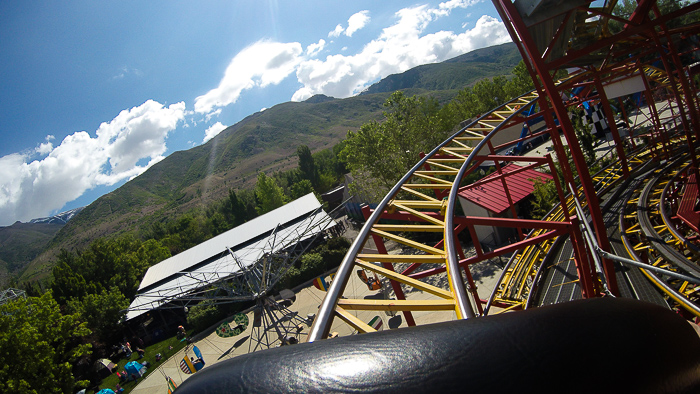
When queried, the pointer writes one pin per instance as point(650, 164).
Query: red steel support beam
point(586, 276)
point(513, 21)
point(679, 99)
point(613, 127)
point(649, 97)
point(626, 33)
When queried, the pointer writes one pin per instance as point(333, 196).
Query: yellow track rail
point(421, 195)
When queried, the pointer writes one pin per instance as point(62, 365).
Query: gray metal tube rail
point(450, 248)
point(589, 237)
point(592, 244)
point(321, 325)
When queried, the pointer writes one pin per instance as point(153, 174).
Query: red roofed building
point(488, 198)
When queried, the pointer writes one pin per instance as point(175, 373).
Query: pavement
point(308, 299)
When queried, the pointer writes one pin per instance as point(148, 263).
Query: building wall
point(488, 235)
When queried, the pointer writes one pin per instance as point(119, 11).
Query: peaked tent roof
point(489, 193)
point(210, 261)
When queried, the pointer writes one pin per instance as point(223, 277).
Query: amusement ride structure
point(627, 231)
point(241, 265)
point(643, 64)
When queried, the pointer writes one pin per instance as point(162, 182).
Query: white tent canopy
point(230, 253)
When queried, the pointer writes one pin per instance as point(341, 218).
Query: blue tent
point(134, 368)
point(106, 391)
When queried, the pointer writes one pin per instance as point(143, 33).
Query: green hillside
point(265, 141)
point(456, 73)
point(21, 243)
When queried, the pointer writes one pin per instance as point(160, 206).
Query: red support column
point(507, 9)
point(587, 277)
point(679, 99)
point(687, 91)
point(613, 127)
point(649, 97)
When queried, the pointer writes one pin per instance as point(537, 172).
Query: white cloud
point(124, 71)
point(212, 114)
point(213, 131)
point(313, 49)
point(356, 22)
point(31, 189)
point(446, 7)
point(337, 31)
point(398, 48)
point(46, 147)
point(260, 64)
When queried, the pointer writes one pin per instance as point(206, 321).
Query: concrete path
point(215, 349)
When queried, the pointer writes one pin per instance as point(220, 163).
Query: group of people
point(125, 348)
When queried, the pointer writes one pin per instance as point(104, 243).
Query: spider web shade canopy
point(245, 261)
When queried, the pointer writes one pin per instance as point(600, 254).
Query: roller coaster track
point(521, 273)
point(422, 197)
point(425, 197)
point(425, 200)
point(523, 270)
point(650, 234)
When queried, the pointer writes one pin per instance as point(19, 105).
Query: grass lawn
point(162, 347)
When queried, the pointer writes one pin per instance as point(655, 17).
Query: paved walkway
point(215, 349)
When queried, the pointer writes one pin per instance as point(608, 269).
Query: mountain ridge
point(263, 141)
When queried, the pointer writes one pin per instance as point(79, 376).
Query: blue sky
point(94, 92)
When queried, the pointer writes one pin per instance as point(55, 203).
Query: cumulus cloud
point(401, 46)
point(260, 64)
point(122, 149)
point(445, 8)
point(212, 114)
point(46, 147)
point(135, 139)
point(213, 131)
point(313, 49)
point(356, 22)
point(336, 32)
point(398, 48)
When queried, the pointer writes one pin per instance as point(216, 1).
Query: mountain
point(21, 243)
point(264, 141)
point(61, 218)
point(456, 73)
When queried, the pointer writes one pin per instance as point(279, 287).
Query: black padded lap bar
point(597, 345)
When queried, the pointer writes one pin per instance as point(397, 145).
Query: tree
point(312, 265)
point(300, 189)
point(119, 263)
point(521, 82)
point(545, 194)
point(625, 8)
point(67, 283)
point(102, 312)
point(234, 209)
point(378, 154)
point(306, 165)
point(38, 346)
point(585, 137)
point(203, 315)
point(268, 194)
